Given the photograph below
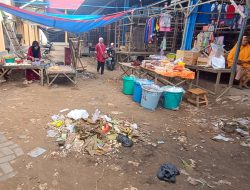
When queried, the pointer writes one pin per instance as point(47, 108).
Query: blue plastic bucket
point(150, 96)
point(138, 89)
point(172, 97)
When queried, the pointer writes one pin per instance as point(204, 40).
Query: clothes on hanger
point(165, 22)
point(230, 12)
point(215, 11)
point(223, 8)
point(201, 17)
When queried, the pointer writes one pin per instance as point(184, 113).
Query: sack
point(105, 55)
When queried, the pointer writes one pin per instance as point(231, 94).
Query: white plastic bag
point(78, 114)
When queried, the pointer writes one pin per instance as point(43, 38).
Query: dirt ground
point(26, 109)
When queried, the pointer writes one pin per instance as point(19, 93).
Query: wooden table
point(218, 72)
point(163, 79)
point(128, 69)
point(125, 56)
point(7, 68)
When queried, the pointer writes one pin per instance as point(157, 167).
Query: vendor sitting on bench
point(243, 65)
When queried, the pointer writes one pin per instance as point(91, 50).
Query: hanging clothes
point(230, 12)
point(164, 43)
point(223, 9)
point(215, 11)
point(239, 19)
point(204, 18)
point(165, 23)
point(150, 31)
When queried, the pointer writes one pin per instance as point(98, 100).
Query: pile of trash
point(240, 126)
point(96, 135)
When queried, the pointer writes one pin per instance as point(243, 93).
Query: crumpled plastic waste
point(124, 140)
point(78, 114)
point(222, 137)
point(57, 123)
point(71, 128)
point(51, 133)
point(36, 152)
point(242, 132)
point(96, 116)
point(168, 172)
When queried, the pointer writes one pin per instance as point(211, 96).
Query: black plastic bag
point(168, 172)
point(124, 140)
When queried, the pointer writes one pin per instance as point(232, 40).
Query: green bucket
point(10, 60)
point(172, 97)
point(128, 85)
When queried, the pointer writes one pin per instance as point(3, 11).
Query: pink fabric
point(65, 4)
point(165, 29)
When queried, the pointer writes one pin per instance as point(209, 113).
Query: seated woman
point(34, 53)
point(243, 65)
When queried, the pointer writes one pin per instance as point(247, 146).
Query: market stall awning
point(89, 22)
point(65, 4)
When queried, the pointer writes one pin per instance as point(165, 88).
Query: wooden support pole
point(2, 41)
point(66, 33)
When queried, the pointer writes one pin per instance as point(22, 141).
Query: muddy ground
point(25, 111)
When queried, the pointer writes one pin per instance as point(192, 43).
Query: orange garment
point(244, 55)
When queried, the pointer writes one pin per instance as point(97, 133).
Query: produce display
point(169, 69)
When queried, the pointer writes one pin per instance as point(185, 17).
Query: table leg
point(217, 82)
point(41, 76)
point(5, 71)
point(197, 78)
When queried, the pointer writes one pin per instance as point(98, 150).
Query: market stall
point(9, 64)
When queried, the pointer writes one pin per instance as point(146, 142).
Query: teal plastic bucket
point(150, 96)
point(128, 85)
point(138, 88)
point(172, 97)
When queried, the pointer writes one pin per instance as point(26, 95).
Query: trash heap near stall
point(96, 135)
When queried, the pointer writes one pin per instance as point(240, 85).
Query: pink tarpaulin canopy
point(65, 4)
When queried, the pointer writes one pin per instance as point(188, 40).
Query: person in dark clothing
point(34, 53)
point(110, 62)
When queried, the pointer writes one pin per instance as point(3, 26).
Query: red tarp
point(65, 4)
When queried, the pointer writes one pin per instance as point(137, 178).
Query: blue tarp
point(70, 25)
point(190, 25)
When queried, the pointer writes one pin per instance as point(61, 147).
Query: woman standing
point(101, 55)
point(34, 53)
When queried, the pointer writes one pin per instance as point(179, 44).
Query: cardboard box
point(189, 57)
point(202, 60)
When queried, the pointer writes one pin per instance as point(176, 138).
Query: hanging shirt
point(204, 18)
point(230, 12)
point(241, 8)
point(165, 23)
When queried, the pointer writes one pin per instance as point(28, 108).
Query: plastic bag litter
point(168, 172)
point(51, 133)
point(106, 118)
point(134, 126)
point(172, 89)
point(78, 114)
point(55, 117)
point(36, 152)
point(124, 140)
point(242, 132)
point(96, 116)
point(223, 138)
point(71, 128)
